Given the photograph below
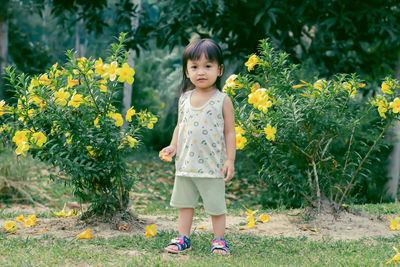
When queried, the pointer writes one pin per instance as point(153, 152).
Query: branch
point(362, 162)
point(348, 149)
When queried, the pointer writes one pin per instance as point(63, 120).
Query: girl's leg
point(185, 218)
point(185, 221)
point(219, 223)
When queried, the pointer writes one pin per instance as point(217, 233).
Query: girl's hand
point(229, 170)
point(170, 150)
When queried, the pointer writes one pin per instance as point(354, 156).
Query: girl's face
point(203, 73)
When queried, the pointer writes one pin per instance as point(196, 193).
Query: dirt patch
point(346, 226)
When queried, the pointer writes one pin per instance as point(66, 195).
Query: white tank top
point(201, 141)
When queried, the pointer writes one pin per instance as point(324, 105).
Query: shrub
point(66, 117)
point(309, 136)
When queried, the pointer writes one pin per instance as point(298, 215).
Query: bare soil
point(345, 226)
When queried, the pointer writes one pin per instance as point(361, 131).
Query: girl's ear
point(221, 70)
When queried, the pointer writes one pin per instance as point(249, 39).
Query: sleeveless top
point(201, 148)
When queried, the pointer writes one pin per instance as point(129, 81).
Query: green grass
point(246, 250)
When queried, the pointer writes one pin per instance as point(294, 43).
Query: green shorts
point(188, 189)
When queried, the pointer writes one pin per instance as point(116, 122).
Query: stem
point(362, 162)
point(348, 149)
point(309, 178)
point(294, 184)
point(317, 185)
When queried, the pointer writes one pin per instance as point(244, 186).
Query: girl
point(204, 142)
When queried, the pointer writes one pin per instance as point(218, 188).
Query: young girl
point(204, 142)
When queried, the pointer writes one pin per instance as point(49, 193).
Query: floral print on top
point(201, 141)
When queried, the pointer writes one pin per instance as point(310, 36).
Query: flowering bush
point(308, 135)
point(66, 117)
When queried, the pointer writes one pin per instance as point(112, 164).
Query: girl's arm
point(172, 148)
point(230, 138)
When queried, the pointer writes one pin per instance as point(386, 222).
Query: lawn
point(52, 242)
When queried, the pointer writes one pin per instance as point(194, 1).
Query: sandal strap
point(220, 243)
point(181, 241)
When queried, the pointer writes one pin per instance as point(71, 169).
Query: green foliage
point(336, 36)
point(66, 118)
point(312, 139)
point(156, 88)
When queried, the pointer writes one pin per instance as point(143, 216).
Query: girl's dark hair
point(193, 51)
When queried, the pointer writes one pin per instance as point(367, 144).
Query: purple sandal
point(181, 242)
point(220, 243)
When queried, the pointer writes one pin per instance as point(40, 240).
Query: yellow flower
point(396, 257)
point(162, 105)
point(20, 136)
point(22, 148)
point(32, 217)
point(118, 119)
point(125, 74)
point(129, 114)
point(386, 88)
point(29, 223)
point(76, 100)
point(90, 151)
point(241, 141)
point(264, 218)
point(249, 212)
point(132, 141)
point(10, 227)
point(251, 221)
point(103, 88)
point(60, 213)
point(96, 122)
point(239, 130)
point(99, 67)
point(20, 218)
point(150, 124)
point(85, 235)
point(395, 105)
point(71, 82)
point(44, 79)
point(230, 82)
point(110, 71)
point(256, 97)
point(70, 213)
point(61, 97)
point(264, 105)
point(394, 224)
point(4, 108)
point(39, 139)
point(150, 230)
point(270, 132)
point(252, 62)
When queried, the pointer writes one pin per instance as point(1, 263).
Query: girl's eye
point(193, 67)
point(208, 66)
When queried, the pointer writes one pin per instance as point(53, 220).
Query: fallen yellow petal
point(32, 217)
point(150, 230)
point(20, 218)
point(29, 223)
point(264, 218)
point(85, 235)
point(10, 227)
point(249, 212)
point(396, 257)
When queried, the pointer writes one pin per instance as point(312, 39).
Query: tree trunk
point(127, 100)
point(3, 53)
point(390, 189)
point(80, 39)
